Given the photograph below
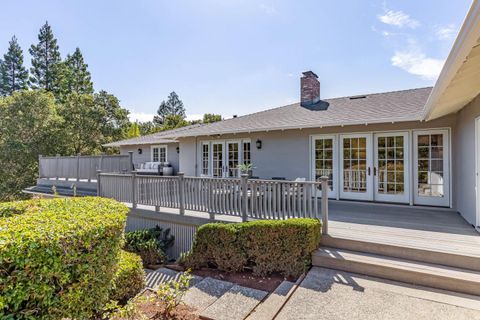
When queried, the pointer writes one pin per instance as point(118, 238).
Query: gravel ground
point(329, 294)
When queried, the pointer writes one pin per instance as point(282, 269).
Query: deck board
point(440, 229)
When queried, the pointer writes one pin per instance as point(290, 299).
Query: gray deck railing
point(82, 167)
point(245, 198)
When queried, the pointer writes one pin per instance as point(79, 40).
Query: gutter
point(466, 39)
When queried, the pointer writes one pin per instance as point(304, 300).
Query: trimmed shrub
point(266, 246)
point(150, 244)
point(217, 245)
point(58, 257)
point(129, 279)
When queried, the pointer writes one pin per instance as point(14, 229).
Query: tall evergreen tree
point(162, 112)
point(176, 105)
point(13, 74)
point(78, 77)
point(45, 60)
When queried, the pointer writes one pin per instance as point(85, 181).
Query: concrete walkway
point(332, 294)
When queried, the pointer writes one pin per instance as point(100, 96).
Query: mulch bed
point(245, 278)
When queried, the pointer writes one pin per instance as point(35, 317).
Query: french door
point(356, 176)
point(431, 168)
point(220, 159)
point(391, 167)
point(324, 156)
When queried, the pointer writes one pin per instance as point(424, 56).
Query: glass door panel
point(391, 167)
point(356, 175)
point(217, 159)
point(324, 162)
point(431, 168)
point(233, 159)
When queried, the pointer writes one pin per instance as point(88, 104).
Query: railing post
point(134, 189)
point(244, 184)
point(130, 161)
point(99, 190)
point(39, 166)
point(78, 167)
point(181, 192)
point(57, 166)
point(324, 180)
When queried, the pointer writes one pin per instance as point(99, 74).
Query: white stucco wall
point(464, 160)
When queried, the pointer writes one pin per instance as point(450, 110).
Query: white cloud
point(447, 32)
point(398, 19)
point(140, 116)
point(191, 117)
point(416, 62)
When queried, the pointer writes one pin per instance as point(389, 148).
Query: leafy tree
point(134, 130)
point(13, 74)
point(173, 121)
point(92, 120)
point(148, 127)
point(211, 117)
point(173, 106)
point(73, 75)
point(29, 126)
point(45, 60)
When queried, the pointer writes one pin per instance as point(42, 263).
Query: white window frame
point(224, 152)
point(433, 201)
point(334, 192)
point(159, 147)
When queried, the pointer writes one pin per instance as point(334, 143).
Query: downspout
point(196, 156)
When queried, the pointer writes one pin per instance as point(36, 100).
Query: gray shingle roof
point(151, 138)
point(395, 106)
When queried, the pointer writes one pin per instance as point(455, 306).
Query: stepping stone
point(270, 306)
point(206, 292)
point(236, 304)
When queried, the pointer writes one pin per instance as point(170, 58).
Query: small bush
point(265, 246)
point(58, 257)
point(129, 279)
point(150, 244)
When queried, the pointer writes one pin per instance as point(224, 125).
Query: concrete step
point(153, 278)
point(269, 307)
point(206, 292)
point(431, 255)
point(236, 304)
point(398, 269)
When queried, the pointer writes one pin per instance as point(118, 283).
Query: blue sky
point(237, 57)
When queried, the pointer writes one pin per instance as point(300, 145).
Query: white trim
point(433, 201)
point(335, 163)
point(477, 174)
point(402, 198)
point(368, 194)
point(466, 39)
point(159, 147)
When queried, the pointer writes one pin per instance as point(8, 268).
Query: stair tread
point(235, 304)
point(206, 292)
point(273, 303)
point(399, 263)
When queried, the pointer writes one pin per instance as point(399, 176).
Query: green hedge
point(129, 279)
point(151, 244)
point(265, 246)
point(58, 257)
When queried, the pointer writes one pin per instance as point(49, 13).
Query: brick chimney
point(309, 89)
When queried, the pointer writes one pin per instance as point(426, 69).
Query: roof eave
point(466, 39)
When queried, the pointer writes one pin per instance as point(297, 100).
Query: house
point(417, 147)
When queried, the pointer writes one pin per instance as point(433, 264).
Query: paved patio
point(331, 294)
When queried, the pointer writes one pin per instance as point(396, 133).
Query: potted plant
point(246, 168)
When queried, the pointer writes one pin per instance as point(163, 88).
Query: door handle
point(374, 171)
point(368, 170)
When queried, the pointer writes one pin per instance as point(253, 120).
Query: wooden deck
point(441, 230)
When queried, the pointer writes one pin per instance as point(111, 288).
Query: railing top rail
point(111, 174)
point(285, 181)
point(87, 156)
